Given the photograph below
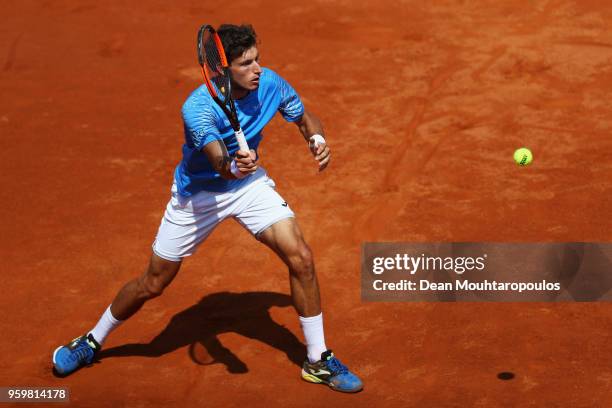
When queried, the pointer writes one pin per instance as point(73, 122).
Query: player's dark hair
point(236, 39)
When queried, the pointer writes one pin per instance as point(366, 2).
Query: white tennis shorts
point(188, 221)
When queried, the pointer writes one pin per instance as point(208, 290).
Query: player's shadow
point(200, 325)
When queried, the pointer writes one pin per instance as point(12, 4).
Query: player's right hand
point(246, 162)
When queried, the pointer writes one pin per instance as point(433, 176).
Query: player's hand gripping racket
point(215, 70)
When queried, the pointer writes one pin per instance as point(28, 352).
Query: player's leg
point(186, 223)
point(82, 350)
point(267, 216)
point(321, 366)
point(286, 240)
point(149, 285)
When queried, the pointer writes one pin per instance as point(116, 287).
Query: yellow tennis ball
point(523, 156)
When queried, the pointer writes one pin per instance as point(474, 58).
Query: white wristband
point(317, 140)
point(236, 171)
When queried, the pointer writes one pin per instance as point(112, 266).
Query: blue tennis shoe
point(79, 352)
point(329, 370)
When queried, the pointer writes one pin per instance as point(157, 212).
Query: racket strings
point(213, 66)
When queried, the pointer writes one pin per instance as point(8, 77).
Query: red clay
point(423, 106)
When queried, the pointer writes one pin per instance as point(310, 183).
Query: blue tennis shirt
point(205, 122)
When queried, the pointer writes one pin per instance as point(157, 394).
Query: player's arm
point(201, 127)
point(243, 164)
point(311, 128)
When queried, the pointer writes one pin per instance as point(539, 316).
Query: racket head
point(213, 61)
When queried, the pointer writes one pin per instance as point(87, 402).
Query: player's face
point(246, 71)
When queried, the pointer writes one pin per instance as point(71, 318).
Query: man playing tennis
point(215, 181)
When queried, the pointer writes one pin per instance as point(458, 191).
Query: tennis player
point(215, 181)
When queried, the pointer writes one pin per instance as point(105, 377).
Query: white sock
point(313, 334)
point(106, 324)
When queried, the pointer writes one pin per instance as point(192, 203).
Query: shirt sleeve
point(200, 123)
point(291, 106)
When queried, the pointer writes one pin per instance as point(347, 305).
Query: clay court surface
point(423, 106)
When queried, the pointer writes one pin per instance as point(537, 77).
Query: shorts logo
point(284, 204)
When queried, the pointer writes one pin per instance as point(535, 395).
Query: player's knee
point(301, 262)
point(159, 275)
point(153, 288)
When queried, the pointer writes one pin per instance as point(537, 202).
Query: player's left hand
point(246, 162)
point(321, 153)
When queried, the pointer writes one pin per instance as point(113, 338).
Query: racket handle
point(242, 143)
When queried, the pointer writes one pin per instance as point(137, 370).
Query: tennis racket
point(217, 77)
